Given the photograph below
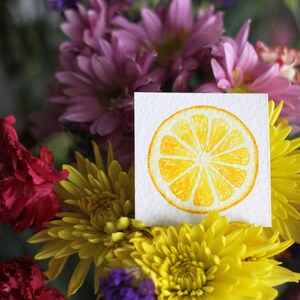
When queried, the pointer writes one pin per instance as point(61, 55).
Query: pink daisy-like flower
point(99, 88)
point(97, 77)
point(84, 26)
point(179, 41)
point(237, 69)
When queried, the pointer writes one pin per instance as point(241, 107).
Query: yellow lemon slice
point(203, 159)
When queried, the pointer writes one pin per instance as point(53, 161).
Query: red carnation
point(26, 182)
point(23, 279)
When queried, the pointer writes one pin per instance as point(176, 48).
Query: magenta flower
point(99, 88)
point(179, 42)
point(237, 69)
point(97, 77)
point(84, 26)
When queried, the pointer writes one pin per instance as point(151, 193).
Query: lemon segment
point(233, 139)
point(219, 128)
point(203, 159)
point(200, 127)
point(171, 146)
point(203, 194)
point(184, 133)
point(223, 189)
point(171, 168)
point(237, 157)
point(234, 175)
point(182, 187)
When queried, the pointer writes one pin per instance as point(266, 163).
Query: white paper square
point(156, 114)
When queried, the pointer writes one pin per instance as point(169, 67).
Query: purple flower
point(179, 41)
point(62, 4)
point(238, 69)
point(127, 285)
point(98, 77)
point(226, 2)
point(99, 87)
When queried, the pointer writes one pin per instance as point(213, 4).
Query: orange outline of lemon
point(204, 107)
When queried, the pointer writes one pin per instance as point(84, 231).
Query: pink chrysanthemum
point(84, 26)
point(98, 77)
point(180, 42)
point(99, 88)
point(237, 69)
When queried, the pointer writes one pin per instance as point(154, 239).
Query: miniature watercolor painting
point(200, 156)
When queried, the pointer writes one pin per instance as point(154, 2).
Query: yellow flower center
point(99, 201)
point(239, 81)
point(239, 89)
point(183, 276)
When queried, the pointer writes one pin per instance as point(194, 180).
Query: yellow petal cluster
point(98, 205)
point(212, 260)
point(285, 177)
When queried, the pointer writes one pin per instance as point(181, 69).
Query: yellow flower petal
point(79, 275)
point(98, 202)
point(285, 171)
point(215, 259)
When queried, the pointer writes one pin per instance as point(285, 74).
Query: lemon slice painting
point(203, 159)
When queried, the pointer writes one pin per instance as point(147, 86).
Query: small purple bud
point(62, 4)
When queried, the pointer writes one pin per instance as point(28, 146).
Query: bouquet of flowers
point(84, 208)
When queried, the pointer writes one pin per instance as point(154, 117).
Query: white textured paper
point(153, 201)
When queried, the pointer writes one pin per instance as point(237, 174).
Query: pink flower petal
point(218, 70)
point(242, 36)
point(84, 64)
point(230, 58)
point(262, 82)
point(179, 16)
point(104, 70)
point(80, 113)
point(224, 85)
point(71, 31)
point(152, 24)
point(127, 40)
point(72, 79)
point(106, 123)
point(208, 88)
point(247, 59)
point(106, 49)
point(135, 29)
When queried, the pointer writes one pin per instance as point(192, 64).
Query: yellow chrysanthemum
point(96, 219)
point(285, 177)
point(212, 260)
